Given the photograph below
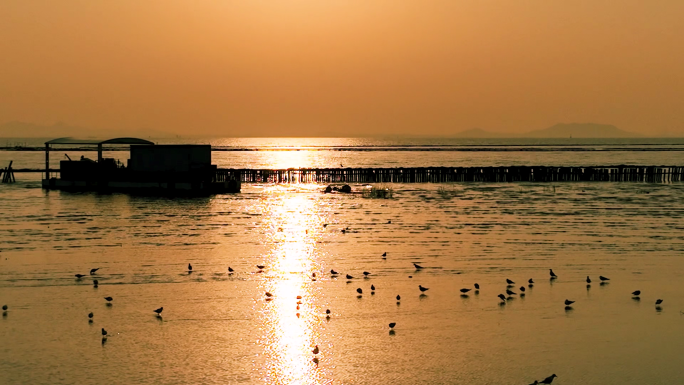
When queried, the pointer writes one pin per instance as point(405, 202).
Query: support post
point(47, 161)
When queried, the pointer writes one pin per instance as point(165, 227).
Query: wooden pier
point(638, 174)
point(647, 174)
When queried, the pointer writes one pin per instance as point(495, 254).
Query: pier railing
point(648, 174)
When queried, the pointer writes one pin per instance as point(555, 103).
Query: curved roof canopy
point(70, 140)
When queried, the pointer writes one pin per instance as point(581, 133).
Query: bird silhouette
point(510, 292)
point(4, 307)
point(104, 333)
point(95, 282)
point(392, 325)
point(423, 289)
point(503, 297)
point(158, 311)
point(384, 255)
point(530, 281)
point(588, 279)
point(359, 291)
point(552, 274)
point(316, 350)
point(372, 287)
point(417, 266)
point(343, 231)
point(636, 293)
point(79, 276)
point(508, 281)
point(90, 315)
point(522, 289)
point(260, 267)
point(549, 379)
point(659, 301)
point(189, 267)
point(327, 311)
point(230, 269)
point(568, 302)
point(333, 272)
point(93, 271)
point(477, 286)
point(109, 299)
point(349, 276)
point(464, 291)
point(366, 274)
point(603, 279)
point(269, 295)
point(398, 297)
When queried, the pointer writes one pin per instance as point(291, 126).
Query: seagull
point(359, 291)
point(189, 267)
point(90, 315)
point(464, 291)
point(4, 307)
point(398, 297)
point(79, 276)
point(104, 333)
point(636, 293)
point(333, 272)
point(588, 279)
point(568, 302)
point(349, 276)
point(503, 297)
point(384, 255)
point(392, 325)
point(423, 288)
point(508, 281)
point(530, 281)
point(389, 222)
point(269, 295)
point(343, 231)
point(230, 269)
point(93, 271)
point(549, 379)
point(260, 267)
point(365, 273)
point(603, 279)
point(95, 282)
point(552, 274)
point(109, 299)
point(315, 350)
point(325, 225)
point(510, 292)
point(659, 301)
point(372, 287)
point(417, 266)
point(477, 286)
point(522, 289)
point(327, 311)
point(158, 311)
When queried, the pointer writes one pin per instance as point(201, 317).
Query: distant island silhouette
point(560, 130)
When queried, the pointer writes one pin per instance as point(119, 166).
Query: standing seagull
point(79, 276)
point(392, 325)
point(104, 333)
point(510, 292)
point(230, 269)
point(189, 267)
point(359, 291)
point(603, 279)
point(568, 302)
point(552, 274)
point(588, 279)
point(522, 290)
point(423, 289)
point(349, 276)
point(93, 271)
point(417, 266)
point(398, 297)
point(477, 286)
point(465, 291)
point(636, 293)
point(158, 311)
point(333, 272)
point(90, 315)
point(384, 255)
point(509, 282)
point(503, 297)
point(658, 302)
point(95, 282)
point(109, 299)
point(549, 379)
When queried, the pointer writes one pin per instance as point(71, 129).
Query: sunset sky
point(343, 68)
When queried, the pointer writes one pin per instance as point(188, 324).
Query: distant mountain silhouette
point(560, 130)
point(581, 130)
point(58, 130)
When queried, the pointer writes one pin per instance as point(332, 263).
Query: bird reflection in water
point(292, 336)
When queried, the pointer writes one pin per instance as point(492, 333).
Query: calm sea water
point(219, 328)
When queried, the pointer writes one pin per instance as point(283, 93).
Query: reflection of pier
point(648, 174)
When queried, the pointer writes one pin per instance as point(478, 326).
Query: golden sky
point(343, 68)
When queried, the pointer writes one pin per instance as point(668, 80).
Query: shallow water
point(218, 328)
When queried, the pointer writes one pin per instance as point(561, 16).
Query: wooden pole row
point(8, 174)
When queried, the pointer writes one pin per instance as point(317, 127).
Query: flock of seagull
point(464, 291)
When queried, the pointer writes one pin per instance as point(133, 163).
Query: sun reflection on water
point(292, 328)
